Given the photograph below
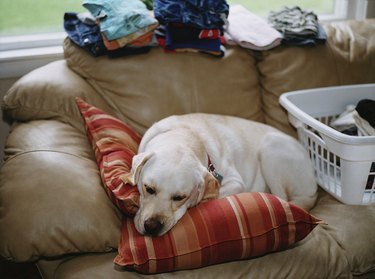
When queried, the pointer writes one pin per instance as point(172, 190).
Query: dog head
point(168, 186)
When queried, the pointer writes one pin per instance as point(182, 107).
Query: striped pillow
point(114, 144)
point(237, 227)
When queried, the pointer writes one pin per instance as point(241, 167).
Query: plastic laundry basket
point(344, 165)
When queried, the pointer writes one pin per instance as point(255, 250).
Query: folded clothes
point(249, 30)
point(320, 38)
point(85, 35)
point(144, 40)
point(131, 38)
point(294, 20)
point(204, 14)
point(128, 51)
point(209, 46)
point(89, 37)
point(182, 32)
point(299, 27)
point(120, 18)
point(212, 47)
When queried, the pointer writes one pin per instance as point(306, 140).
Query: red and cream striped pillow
point(114, 144)
point(237, 227)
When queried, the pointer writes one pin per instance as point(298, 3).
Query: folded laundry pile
point(119, 28)
point(249, 30)
point(357, 120)
point(299, 27)
point(115, 28)
point(192, 25)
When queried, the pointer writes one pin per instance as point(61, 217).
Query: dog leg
point(232, 184)
point(287, 170)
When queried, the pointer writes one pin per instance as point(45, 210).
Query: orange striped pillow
point(237, 227)
point(114, 144)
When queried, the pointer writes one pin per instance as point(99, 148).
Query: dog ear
point(138, 162)
point(211, 188)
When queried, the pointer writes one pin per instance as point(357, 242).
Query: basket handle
point(303, 133)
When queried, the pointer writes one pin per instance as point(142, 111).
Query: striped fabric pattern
point(114, 144)
point(238, 227)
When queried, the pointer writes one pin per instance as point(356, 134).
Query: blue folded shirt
point(205, 14)
point(120, 18)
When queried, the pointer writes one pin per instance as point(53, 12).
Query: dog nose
point(153, 226)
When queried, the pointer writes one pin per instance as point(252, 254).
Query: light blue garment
point(119, 18)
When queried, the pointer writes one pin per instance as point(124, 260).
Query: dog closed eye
point(150, 190)
point(178, 198)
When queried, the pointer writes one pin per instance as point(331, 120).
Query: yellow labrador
point(183, 160)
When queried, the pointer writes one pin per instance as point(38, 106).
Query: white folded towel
point(249, 30)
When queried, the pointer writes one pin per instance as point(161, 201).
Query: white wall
point(5, 84)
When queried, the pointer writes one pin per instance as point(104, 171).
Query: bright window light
point(44, 16)
point(263, 7)
point(21, 17)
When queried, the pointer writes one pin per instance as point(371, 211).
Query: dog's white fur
point(171, 172)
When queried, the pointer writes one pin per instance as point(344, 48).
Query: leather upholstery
point(52, 204)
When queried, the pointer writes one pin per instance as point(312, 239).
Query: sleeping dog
point(184, 160)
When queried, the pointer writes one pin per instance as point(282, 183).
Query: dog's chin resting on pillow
point(184, 160)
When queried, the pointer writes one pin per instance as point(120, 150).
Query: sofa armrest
point(48, 93)
point(52, 200)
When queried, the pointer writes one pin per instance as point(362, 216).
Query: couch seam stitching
point(44, 151)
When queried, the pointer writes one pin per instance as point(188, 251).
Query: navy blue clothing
point(84, 35)
point(321, 37)
point(204, 14)
point(88, 37)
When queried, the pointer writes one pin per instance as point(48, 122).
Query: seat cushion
point(317, 255)
point(354, 230)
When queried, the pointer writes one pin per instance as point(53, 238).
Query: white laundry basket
point(344, 165)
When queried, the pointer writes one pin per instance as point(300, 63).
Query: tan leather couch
point(53, 209)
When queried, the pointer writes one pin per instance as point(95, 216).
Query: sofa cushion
point(354, 230)
point(346, 58)
point(114, 144)
point(52, 201)
point(146, 88)
point(317, 256)
point(255, 224)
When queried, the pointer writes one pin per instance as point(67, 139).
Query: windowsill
point(31, 53)
point(16, 63)
point(21, 54)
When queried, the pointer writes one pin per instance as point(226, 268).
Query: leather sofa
point(53, 209)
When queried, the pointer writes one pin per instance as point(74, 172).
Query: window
point(36, 16)
point(34, 29)
point(44, 16)
point(263, 7)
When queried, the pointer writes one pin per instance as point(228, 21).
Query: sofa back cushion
point(145, 88)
